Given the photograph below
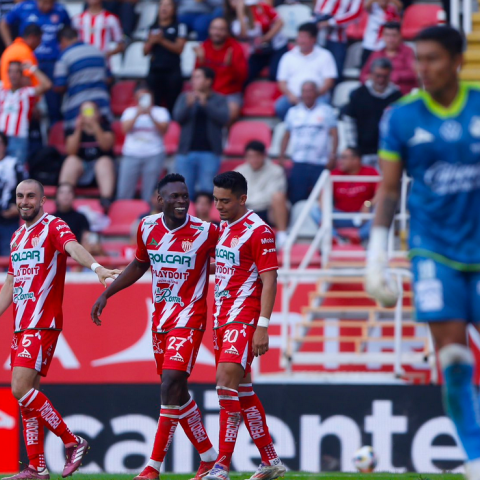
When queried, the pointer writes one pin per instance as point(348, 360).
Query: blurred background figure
point(203, 206)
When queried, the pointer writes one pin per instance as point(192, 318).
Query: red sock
point(191, 422)
point(230, 418)
point(51, 419)
point(33, 436)
point(256, 423)
point(167, 424)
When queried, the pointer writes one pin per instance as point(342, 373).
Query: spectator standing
point(312, 129)
point(226, 57)
point(198, 14)
point(402, 57)
point(306, 62)
point(351, 197)
point(363, 113)
point(202, 114)
point(51, 17)
point(165, 44)
point(81, 72)
point(267, 188)
point(143, 150)
point(21, 50)
point(100, 28)
point(90, 156)
point(203, 207)
point(333, 18)
point(380, 12)
point(125, 11)
point(16, 106)
point(258, 23)
point(11, 174)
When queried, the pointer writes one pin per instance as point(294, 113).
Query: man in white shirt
point(306, 62)
point(312, 129)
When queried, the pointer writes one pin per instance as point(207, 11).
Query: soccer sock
point(256, 423)
point(36, 400)
point(33, 436)
point(461, 400)
point(167, 424)
point(230, 418)
point(191, 422)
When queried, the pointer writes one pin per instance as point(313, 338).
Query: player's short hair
point(355, 151)
point(381, 63)
point(170, 178)
point(66, 184)
point(205, 194)
point(310, 28)
point(4, 139)
point(448, 37)
point(141, 85)
point(36, 182)
point(256, 146)
point(32, 29)
point(392, 26)
point(67, 33)
point(208, 72)
point(233, 181)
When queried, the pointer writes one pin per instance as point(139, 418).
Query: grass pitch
point(288, 475)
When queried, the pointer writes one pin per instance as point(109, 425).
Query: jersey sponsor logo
point(267, 230)
point(447, 178)
point(451, 130)
point(248, 225)
point(28, 256)
point(221, 294)
point(170, 259)
point(62, 226)
point(266, 251)
point(223, 270)
point(225, 253)
point(153, 242)
point(165, 295)
point(474, 127)
point(24, 354)
point(177, 357)
point(27, 271)
point(187, 245)
point(267, 240)
point(232, 350)
point(197, 227)
point(421, 136)
point(64, 233)
point(150, 223)
point(169, 275)
point(19, 295)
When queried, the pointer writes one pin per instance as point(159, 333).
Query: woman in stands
point(165, 43)
point(259, 24)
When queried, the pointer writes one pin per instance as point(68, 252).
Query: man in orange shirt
point(21, 50)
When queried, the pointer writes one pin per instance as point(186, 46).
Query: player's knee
point(172, 389)
point(20, 388)
point(455, 354)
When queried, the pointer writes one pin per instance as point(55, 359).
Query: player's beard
point(28, 217)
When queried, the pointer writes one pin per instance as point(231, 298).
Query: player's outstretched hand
point(104, 273)
point(97, 309)
point(260, 341)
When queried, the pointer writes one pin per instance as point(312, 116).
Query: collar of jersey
point(230, 225)
point(445, 112)
point(178, 228)
point(36, 223)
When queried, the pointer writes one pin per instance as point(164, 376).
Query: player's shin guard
point(256, 423)
point(230, 418)
point(192, 424)
point(167, 424)
point(33, 435)
point(37, 401)
point(461, 400)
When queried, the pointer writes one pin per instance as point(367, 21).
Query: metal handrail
point(461, 15)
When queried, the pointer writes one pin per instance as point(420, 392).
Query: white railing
point(461, 15)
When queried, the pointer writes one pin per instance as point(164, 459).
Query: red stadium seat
point(119, 137)
point(417, 17)
point(228, 165)
point(122, 215)
point(172, 137)
point(50, 207)
point(91, 203)
point(259, 99)
point(243, 132)
point(56, 137)
point(122, 96)
point(356, 29)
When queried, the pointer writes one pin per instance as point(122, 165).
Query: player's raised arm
point(81, 256)
point(269, 292)
point(6, 294)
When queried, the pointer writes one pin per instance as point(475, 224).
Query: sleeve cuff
point(267, 269)
point(389, 156)
point(141, 261)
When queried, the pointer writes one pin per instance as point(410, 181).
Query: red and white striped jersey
point(343, 12)
point(99, 30)
point(16, 111)
point(38, 263)
point(377, 18)
point(245, 249)
point(180, 261)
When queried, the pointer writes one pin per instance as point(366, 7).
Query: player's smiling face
point(29, 201)
point(174, 201)
point(229, 206)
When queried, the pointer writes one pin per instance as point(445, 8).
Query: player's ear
point(243, 199)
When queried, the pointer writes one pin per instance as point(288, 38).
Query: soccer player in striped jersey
point(245, 289)
point(178, 248)
point(35, 283)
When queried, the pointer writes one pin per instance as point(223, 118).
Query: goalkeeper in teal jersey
point(434, 135)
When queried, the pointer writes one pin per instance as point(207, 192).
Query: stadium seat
point(122, 96)
point(278, 133)
point(293, 16)
point(91, 203)
point(243, 132)
point(148, 12)
point(259, 99)
point(119, 137)
point(49, 206)
point(353, 61)
point(122, 214)
point(172, 138)
point(135, 63)
point(341, 94)
point(356, 29)
point(187, 59)
point(56, 137)
point(228, 165)
point(417, 17)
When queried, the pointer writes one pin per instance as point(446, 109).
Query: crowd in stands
point(56, 74)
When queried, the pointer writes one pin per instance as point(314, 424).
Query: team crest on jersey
point(234, 242)
point(35, 241)
point(187, 245)
point(451, 131)
point(474, 127)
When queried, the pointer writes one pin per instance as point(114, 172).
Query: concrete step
point(470, 74)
